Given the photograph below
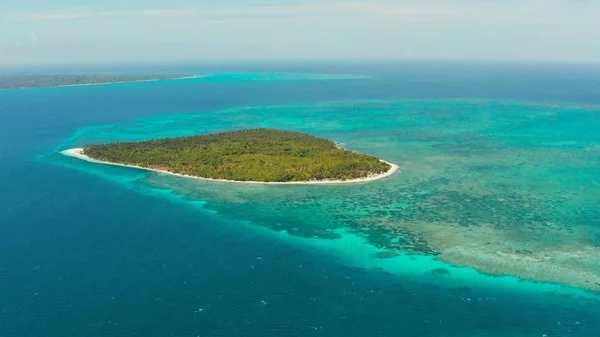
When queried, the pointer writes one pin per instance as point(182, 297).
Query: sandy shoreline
point(122, 82)
point(78, 153)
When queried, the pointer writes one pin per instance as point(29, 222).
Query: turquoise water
point(506, 185)
point(469, 169)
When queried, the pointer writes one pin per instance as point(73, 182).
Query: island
point(254, 155)
point(64, 80)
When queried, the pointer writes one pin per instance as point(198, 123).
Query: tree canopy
point(266, 155)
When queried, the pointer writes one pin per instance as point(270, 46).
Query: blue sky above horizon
point(65, 31)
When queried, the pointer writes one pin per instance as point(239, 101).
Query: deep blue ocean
point(86, 255)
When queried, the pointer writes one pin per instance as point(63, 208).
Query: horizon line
point(284, 61)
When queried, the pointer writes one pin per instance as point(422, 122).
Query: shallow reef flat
point(540, 254)
point(507, 188)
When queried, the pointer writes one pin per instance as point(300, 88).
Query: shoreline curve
point(79, 153)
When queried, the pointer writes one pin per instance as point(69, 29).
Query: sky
point(80, 31)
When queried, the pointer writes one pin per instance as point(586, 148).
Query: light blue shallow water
point(93, 250)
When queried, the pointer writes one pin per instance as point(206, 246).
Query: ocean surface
point(492, 227)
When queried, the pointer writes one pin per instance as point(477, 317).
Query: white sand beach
point(79, 153)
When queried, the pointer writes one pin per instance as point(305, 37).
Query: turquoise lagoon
point(481, 183)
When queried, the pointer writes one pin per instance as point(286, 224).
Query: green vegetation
point(38, 81)
point(266, 155)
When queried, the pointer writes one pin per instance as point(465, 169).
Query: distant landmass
point(40, 81)
point(255, 155)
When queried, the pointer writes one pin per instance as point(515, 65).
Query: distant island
point(254, 155)
point(40, 81)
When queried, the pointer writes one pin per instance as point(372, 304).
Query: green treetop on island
point(265, 155)
point(40, 81)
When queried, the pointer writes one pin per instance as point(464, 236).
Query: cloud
point(87, 13)
point(209, 12)
point(332, 9)
point(415, 11)
point(412, 29)
point(259, 20)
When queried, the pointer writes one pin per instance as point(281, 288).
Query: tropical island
point(58, 80)
point(253, 155)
